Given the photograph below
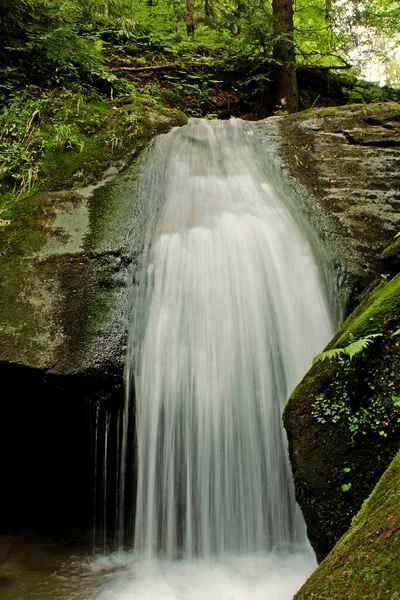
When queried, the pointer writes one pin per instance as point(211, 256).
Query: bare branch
point(150, 68)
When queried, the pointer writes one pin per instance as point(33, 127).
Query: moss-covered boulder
point(364, 564)
point(343, 419)
point(65, 253)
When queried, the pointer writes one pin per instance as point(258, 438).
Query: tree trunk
point(207, 12)
point(238, 13)
point(285, 94)
point(328, 11)
point(189, 20)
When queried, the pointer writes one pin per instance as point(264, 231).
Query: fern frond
point(328, 355)
point(396, 333)
point(360, 345)
point(351, 350)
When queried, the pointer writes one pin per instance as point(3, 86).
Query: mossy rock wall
point(67, 259)
point(342, 422)
point(364, 564)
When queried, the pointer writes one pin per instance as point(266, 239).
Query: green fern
point(351, 350)
point(360, 345)
point(329, 355)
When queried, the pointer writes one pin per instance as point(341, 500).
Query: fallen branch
point(329, 68)
point(152, 68)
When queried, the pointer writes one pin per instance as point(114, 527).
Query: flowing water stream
point(229, 311)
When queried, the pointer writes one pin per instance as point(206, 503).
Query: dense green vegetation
point(66, 40)
point(68, 67)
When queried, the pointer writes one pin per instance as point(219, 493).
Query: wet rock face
point(348, 160)
point(63, 304)
point(64, 270)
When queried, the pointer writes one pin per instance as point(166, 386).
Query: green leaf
point(351, 350)
point(346, 470)
point(359, 345)
point(346, 487)
point(396, 400)
point(353, 427)
point(328, 354)
point(393, 335)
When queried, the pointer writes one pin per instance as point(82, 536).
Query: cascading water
point(230, 312)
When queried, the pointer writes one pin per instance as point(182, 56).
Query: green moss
point(101, 106)
point(99, 308)
point(330, 111)
point(72, 138)
point(25, 234)
point(59, 167)
point(13, 308)
point(372, 314)
point(29, 331)
point(364, 563)
point(119, 131)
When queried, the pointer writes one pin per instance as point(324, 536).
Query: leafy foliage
point(79, 45)
point(346, 487)
point(362, 396)
point(317, 40)
point(21, 144)
point(349, 351)
point(63, 55)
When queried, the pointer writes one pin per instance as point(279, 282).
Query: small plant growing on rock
point(362, 395)
point(349, 351)
point(66, 138)
point(346, 486)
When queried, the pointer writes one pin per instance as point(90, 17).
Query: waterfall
point(230, 313)
point(229, 310)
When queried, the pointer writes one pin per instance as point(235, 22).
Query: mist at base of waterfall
point(274, 576)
